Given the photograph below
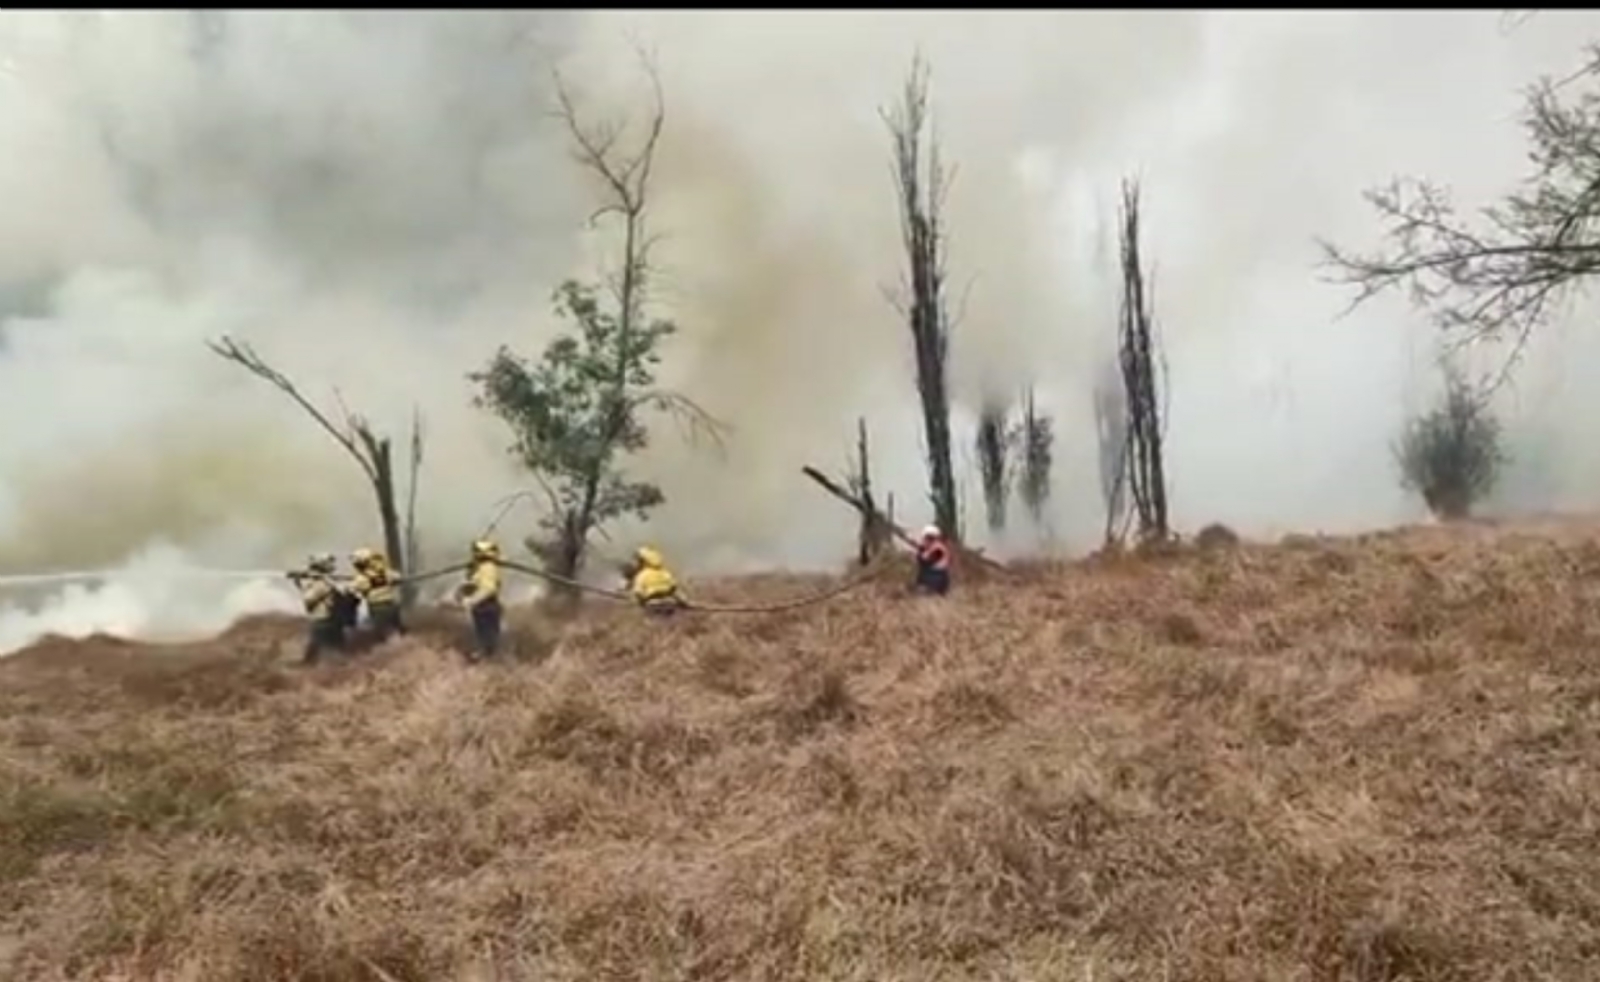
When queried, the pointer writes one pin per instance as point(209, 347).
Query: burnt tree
point(994, 442)
point(873, 534)
point(1037, 436)
point(921, 184)
point(374, 454)
point(1143, 381)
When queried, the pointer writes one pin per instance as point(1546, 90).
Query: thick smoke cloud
point(377, 200)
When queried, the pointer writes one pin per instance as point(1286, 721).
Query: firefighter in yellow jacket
point(653, 586)
point(480, 596)
point(325, 604)
point(377, 583)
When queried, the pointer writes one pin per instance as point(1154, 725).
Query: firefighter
point(480, 597)
point(377, 583)
point(933, 562)
point(325, 604)
point(653, 586)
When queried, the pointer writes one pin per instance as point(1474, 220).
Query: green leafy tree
point(580, 410)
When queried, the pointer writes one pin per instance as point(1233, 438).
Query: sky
point(377, 201)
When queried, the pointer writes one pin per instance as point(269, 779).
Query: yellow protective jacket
point(652, 581)
point(317, 593)
point(483, 583)
point(377, 584)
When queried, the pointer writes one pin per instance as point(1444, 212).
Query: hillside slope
point(1369, 760)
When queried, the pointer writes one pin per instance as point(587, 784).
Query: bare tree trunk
point(922, 183)
point(1142, 381)
point(380, 452)
point(413, 547)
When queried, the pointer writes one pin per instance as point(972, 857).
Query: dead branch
point(1502, 273)
point(244, 355)
point(838, 490)
point(873, 535)
point(370, 451)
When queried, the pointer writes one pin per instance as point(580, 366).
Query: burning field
point(1365, 760)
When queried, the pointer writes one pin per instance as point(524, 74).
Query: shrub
point(1451, 454)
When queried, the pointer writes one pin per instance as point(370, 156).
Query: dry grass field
point(1354, 760)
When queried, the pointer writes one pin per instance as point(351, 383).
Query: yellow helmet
point(649, 557)
point(485, 549)
point(362, 557)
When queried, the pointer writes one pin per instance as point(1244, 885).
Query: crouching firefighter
point(326, 603)
point(653, 586)
point(480, 597)
point(933, 562)
point(377, 583)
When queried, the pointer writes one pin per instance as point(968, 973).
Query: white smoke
point(378, 200)
point(159, 594)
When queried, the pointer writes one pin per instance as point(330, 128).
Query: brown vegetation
point(1360, 760)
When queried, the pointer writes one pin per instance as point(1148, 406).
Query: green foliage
point(1451, 454)
point(576, 412)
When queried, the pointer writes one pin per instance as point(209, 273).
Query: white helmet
point(930, 531)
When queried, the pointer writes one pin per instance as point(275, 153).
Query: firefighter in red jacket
point(933, 562)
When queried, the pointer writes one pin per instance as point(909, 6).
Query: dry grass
point(1363, 761)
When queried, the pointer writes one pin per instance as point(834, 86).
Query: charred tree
point(373, 453)
point(1037, 437)
point(1142, 380)
point(994, 443)
point(873, 535)
point(921, 183)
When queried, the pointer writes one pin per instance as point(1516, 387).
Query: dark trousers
point(323, 635)
point(931, 580)
point(662, 606)
point(486, 628)
point(385, 620)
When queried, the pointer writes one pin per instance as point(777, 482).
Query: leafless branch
point(245, 356)
point(365, 447)
point(1498, 275)
point(697, 423)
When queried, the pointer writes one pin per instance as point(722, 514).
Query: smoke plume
point(377, 200)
